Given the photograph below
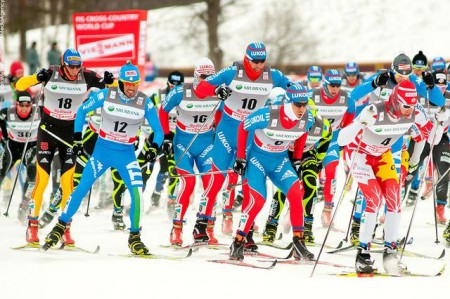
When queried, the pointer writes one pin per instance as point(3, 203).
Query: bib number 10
point(249, 104)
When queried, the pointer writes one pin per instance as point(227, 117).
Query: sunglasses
point(258, 61)
point(407, 107)
point(300, 104)
point(24, 105)
point(72, 67)
point(204, 76)
point(130, 83)
point(335, 85)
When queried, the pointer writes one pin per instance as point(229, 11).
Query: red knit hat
point(15, 66)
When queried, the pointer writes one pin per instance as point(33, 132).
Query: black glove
point(222, 92)
point(380, 80)
point(77, 147)
point(168, 144)
point(239, 166)
point(428, 78)
point(297, 164)
point(44, 75)
point(108, 78)
point(3, 142)
point(152, 153)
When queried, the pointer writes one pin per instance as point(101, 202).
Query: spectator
point(150, 69)
point(54, 55)
point(33, 58)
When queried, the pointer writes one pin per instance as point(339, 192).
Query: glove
point(108, 78)
point(30, 156)
point(411, 172)
point(152, 153)
point(168, 144)
point(297, 164)
point(222, 92)
point(441, 116)
point(77, 147)
point(428, 78)
point(43, 75)
point(380, 80)
point(367, 117)
point(239, 166)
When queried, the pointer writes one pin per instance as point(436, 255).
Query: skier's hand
point(441, 116)
point(380, 80)
point(297, 164)
point(222, 92)
point(367, 117)
point(108, 78)
point(239, 166)
point(77, 147)
point(168, 144)
point(152, 153)
point(43, 75)
point(428, 78)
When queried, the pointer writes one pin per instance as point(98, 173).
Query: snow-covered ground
point(79, 275)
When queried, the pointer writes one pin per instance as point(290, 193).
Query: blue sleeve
point(434, 95)
point(225, 76)
point(173, 98)
point(361, 91)
point(153, 121)
point(94, 101)
point(279, 79)
point(257, 120)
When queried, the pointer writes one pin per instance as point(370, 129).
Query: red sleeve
point(205, 89)
point(299, 146)
point(164, 119)
point(217, 117)
point(242, 141)
point(347, 119)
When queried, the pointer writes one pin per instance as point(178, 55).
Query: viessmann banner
point(109, 39)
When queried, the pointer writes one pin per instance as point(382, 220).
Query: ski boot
point(117, 219)
point(354, 233)
point(55, 235)
point(135, 244)
point(32, 233)
point(412, 197)
point(156, 196)
point(176, 234)
point(440, 214)
point(299, 247)
point(391, 262)
point(48, 216)
point(309, 236)
point(250, 245)
point(446, 236)
point(67, 238)
point(319, 194)
point(363, 263)
point(200, 234)
point(237, 248)
point(210, 232)
point(270, 232)
point(326, 214)
point(227, 223)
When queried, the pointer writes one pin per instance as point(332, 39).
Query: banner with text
point(106, 40)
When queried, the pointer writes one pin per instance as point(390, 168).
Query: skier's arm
point(208, 86)
point(172, 100)
point(94, 101)
point(153, 121)
point(251, 123)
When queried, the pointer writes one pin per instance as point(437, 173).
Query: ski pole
point(89, 201)
point(434, 199)
point(350, 220)
point(341, 196)
point(19, 169)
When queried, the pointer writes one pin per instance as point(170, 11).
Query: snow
point(76, 275)
point(368, 31)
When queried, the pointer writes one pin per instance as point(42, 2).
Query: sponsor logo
point(54, 87)
point(224, 141)
point(44, 146)
point(189, 106)
point(239, 87)
point(130, 73)
point(110, 109)
point(43, 160)
point(258, 165)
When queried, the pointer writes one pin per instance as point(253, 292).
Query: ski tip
point(442, 254)
point(189, 252)
point(272, 265)
point(280, 236)
point(340, 244)
point(97, 249)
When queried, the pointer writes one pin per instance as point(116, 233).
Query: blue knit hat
point(297, 93)
point(333, 77)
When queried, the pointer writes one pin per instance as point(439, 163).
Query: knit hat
point(15, 66)
point(420, 60)
point(402, 65)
